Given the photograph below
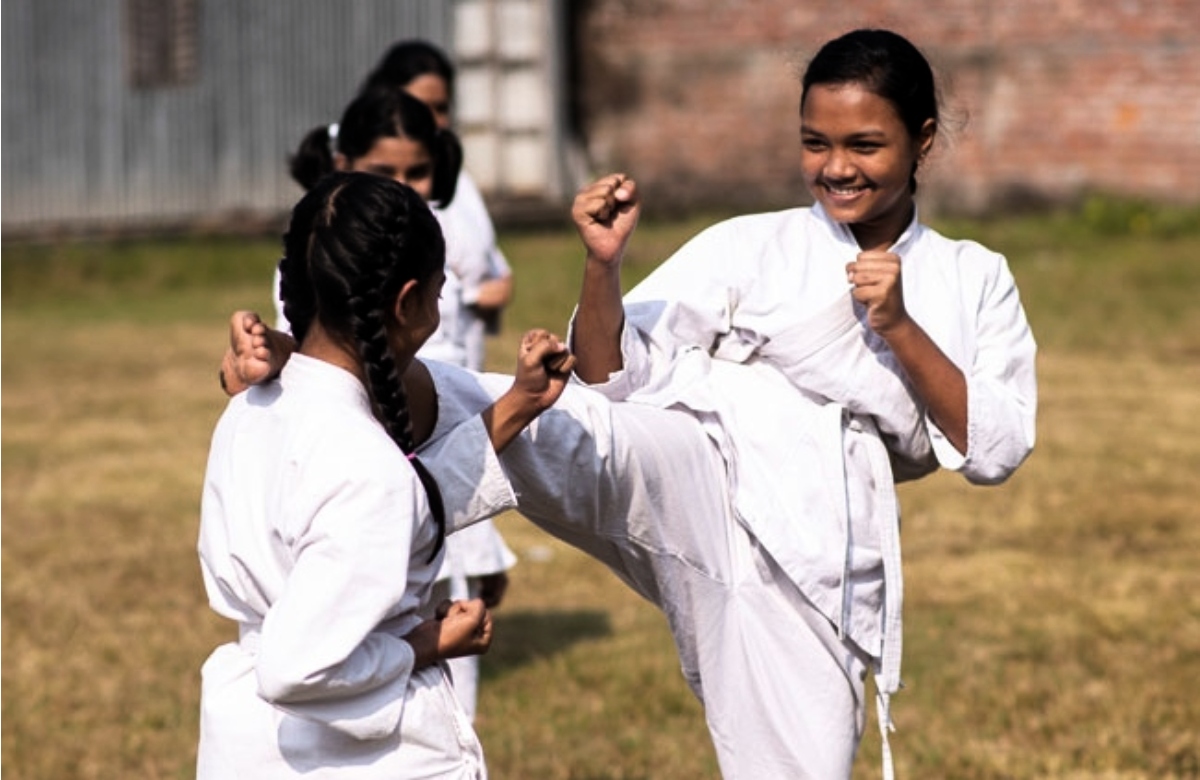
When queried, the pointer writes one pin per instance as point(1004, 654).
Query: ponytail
point(314, 159)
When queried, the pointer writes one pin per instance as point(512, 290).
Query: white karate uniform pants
point(644, 490)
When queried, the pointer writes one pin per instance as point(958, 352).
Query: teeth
point(845, 190)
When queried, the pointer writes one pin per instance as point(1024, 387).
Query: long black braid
point(354, 240)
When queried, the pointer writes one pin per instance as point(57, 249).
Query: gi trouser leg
point(645, 491)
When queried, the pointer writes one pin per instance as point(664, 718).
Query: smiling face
point(858, 159)
point(401, 159)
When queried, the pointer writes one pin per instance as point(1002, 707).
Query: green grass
point(1052, 624)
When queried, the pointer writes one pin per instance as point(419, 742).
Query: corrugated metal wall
point(84, 148)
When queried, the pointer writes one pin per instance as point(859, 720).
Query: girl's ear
point(340, 163)
point(406, 302)
point(925, 138)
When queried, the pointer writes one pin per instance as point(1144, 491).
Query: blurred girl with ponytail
point(321, 531)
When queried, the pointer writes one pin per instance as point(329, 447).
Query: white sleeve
point(321, 655)
point(459, 454)
point(470, 478)
point(471, 240)
point(1001, 388)
point(836, 356)
point(686, 302)
point(498, 267)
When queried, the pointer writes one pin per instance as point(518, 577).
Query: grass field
point(1052, 624)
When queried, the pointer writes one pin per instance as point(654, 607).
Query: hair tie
point(411, 456)
point(332, 132)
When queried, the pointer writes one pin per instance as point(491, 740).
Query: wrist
point(231, 381)
point(424, 641)
point(518, 408)
point(603, 265)
point(898, 331)
point(507, 417)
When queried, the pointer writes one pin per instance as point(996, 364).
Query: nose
point(838, 165)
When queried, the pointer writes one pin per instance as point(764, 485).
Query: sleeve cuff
point(623, 382)
point(947, 456)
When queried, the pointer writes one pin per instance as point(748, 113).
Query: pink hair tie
point(411, 456)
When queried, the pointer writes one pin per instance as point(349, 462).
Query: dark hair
point(374, 114)
point(353, 242)
point(885, 63)
point(407, 60)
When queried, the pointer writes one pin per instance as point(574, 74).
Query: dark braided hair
point(354, 240)
point(381, 112)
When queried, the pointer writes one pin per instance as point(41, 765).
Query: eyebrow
point(858, 135)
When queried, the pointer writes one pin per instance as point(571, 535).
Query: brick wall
point(1044, 100)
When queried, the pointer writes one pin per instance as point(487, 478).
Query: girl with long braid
point(321, 530)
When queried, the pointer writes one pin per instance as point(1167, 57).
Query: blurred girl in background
point(479, 285)
point(423, 71)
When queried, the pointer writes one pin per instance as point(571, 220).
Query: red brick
point(1045, 98)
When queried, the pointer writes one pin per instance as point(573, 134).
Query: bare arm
point(605, 214)
point(460, 628)
point(495, 293)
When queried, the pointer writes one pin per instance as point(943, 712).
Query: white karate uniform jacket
point(472, 258)
point(743, 291)
point(316, 539)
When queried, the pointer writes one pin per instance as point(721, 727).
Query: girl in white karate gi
point(943, 316)
point(425, 72)
point(783, 374)
point(321, 531)
point(387, 131)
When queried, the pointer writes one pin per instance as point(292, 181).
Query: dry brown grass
point(1052, 625)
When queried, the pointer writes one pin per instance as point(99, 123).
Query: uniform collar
point(303, 371)
point(841, 232)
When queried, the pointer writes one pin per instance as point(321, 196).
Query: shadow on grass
point(525, 636)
